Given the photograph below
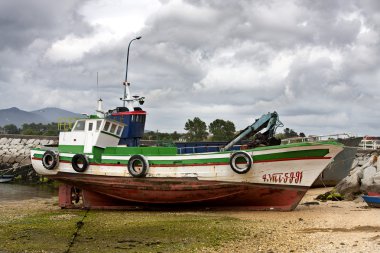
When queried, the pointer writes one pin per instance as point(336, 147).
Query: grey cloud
point(24, 21)
point(183, 50)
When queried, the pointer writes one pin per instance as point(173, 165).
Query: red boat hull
point(104, 192)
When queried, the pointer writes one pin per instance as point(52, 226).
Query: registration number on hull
point(281, 177)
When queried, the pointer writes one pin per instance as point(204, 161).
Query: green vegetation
point(50, 129)
point(163, 137)
point(107, 231)
point(289, 133)
point(222, 130)
point(196, 130)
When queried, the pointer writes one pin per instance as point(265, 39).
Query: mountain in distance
point(53, 114)
point(46, 115)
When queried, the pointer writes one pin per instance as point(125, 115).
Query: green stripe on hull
point(256, 158)
point(202, 158)
point(292, 154)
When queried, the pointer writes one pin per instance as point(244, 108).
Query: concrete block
point(6, 158)
point(11, 159)
point(44, 142)
point(30, 141)
point(15, 141)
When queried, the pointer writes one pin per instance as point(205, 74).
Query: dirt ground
point(333, 226)
point(39, 225)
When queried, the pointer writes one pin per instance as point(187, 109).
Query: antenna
point(97, 84)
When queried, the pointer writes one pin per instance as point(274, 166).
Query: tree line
point(50, 129)
point(196, 130)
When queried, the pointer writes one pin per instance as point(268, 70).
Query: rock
point(369, 172)
point(20, 158)
point(371, 161)
point(6, 158)
point(367, 180)
point(44, 142)
point(376, 178)
point(349, 185)
point(357, 170)
point(26, 161)
point(3, 140)
point(15, 141)
point(11, 159)
point(30, 141)
point(12, 151)
point(355, 163)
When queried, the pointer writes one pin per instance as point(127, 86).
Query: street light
point(126, 71)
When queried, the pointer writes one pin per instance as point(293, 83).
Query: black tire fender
point(138, 166)
point(236, 159)
point(78, 160)
point(50, 160)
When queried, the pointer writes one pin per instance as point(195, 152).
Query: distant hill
point(46, 115)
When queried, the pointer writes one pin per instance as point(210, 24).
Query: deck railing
point(203, 149)
point(313, 138)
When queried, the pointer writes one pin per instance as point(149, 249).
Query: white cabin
point(93, 132)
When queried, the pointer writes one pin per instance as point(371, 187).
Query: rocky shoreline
point(15, 154)
point(364, 176)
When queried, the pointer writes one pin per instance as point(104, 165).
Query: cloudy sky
point(317, 63)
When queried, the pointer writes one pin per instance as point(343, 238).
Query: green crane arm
point(268, 121)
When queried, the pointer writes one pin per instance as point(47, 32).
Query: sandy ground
point(333, 226)
point(344, 226)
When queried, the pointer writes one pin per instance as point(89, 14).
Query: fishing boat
point(91, 160)
point(101, 162)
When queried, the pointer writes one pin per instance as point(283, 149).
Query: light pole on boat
point(126, 71)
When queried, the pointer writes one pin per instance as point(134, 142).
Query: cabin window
point(98, 123)
point(119, 130)
point(79, 125)
point(113, 128)
point(90, 126)
point(106, 126)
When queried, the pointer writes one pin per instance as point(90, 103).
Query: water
point(11, 191)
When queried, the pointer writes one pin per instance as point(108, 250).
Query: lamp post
point(126, 71)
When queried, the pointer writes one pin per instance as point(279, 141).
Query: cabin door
point(88, 142)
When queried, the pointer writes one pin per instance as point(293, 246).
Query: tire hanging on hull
point(138, 166)
point(50, 160)
point(80, 162)
point(241, 162)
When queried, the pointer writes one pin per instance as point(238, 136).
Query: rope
point(79, 225)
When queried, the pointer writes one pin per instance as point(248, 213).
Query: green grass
point(114, 231)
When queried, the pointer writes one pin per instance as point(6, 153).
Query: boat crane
point(270, 121)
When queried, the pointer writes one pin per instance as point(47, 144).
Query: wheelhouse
point(89, 133)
